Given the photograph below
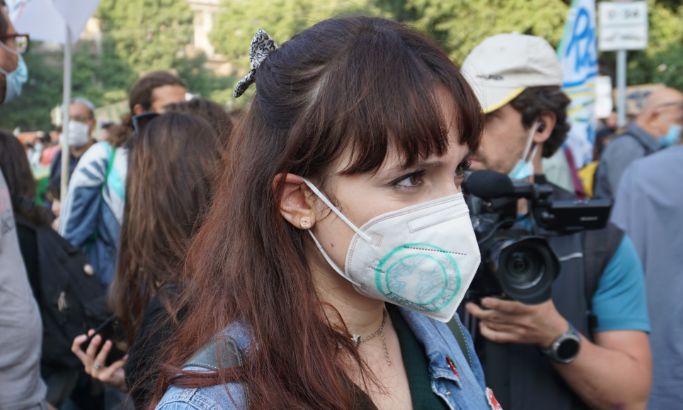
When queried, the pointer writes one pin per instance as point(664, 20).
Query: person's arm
point(613, 371)
point(80, 210)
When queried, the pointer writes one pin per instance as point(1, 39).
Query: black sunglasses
point(141, 121)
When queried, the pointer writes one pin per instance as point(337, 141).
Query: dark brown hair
point(17, 170)
point(141, 93)
point(170, 177)
point(211, 111)
point(534, 101)
point(359, 85)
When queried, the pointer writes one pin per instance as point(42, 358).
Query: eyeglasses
point(80, 118)
point(141, 121)
point(21, 41)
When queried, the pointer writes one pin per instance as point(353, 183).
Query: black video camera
point(516, 263)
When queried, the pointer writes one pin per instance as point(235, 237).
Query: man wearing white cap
point(588, 346)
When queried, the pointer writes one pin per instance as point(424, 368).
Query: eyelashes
point(463, 167)
point(416, 175)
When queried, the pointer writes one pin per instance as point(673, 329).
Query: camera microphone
point(487, 185)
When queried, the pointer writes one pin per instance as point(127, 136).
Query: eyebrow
point(427, 164)
point(418, 165)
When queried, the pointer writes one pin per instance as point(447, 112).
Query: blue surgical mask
point(16, 79)
point(672, 137)
point(525, 166)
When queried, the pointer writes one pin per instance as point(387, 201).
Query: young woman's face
point(363, 197)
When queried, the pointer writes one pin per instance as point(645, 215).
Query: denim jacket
point(468, 391)
point(92, 214)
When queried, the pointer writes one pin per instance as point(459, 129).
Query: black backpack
point(71, 299)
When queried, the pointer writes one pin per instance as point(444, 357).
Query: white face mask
point(78, 134)
point(525, 167)
point(423, 257)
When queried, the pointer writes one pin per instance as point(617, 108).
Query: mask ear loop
point(327, 202)
point(9, 50)
point(330, 261)
point(529, 142)
point(352, 226)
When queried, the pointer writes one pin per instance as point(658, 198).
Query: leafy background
point(145, 35)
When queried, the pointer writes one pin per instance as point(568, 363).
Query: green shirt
point(416, 365)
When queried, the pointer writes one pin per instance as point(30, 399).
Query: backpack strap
point(599, 247)
point(219, 352)
point(459, 334)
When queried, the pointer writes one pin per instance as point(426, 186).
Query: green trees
point(459, 25)
point(145, 35)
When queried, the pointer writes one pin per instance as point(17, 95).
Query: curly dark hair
point(534, 101)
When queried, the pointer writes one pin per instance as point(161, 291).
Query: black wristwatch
point(565, 348)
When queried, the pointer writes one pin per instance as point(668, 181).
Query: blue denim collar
point(430, 335)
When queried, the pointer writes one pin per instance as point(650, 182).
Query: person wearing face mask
point(21, 385)
point(92, 213)
point(649, 207)
point(598, 300)
point(81, 124)
point(656, 127)
point(13, 71)
point(338, 241)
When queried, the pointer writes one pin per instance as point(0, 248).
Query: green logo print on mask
point(434, 288)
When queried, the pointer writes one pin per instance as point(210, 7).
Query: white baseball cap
point(502, 66)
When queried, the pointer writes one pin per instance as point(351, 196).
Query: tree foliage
point(238, 21)
point(145, 35)
point(460, 25)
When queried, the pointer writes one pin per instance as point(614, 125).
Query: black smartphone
point(107, 330)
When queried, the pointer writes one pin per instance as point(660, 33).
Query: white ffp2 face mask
point(78, 134)
point(423, 257)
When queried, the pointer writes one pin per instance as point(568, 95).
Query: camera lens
point(524, 266)
point(523, 269)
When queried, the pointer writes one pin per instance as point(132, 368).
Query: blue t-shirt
point(620, 302)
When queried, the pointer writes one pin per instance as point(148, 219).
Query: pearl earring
point(305, 222)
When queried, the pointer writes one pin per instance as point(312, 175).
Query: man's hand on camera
point(508, 321)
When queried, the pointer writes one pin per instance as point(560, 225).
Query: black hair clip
point(261, 45)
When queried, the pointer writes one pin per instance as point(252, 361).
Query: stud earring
point(305, 222)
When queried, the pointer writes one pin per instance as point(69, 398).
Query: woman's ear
point(546, 124)
point(296, 204)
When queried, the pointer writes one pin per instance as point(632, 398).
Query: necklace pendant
point(356, 340)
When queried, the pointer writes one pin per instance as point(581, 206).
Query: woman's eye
point(411, 180)
point(462, 168)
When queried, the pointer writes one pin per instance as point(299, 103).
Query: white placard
point(603, 96)
point(623, 26)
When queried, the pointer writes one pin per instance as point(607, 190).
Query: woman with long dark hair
point(171, 168)
point(338, 241)
point(92, 214)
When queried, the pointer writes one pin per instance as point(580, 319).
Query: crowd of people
point(315, 250)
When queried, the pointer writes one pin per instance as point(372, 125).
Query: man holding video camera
point(587, 346)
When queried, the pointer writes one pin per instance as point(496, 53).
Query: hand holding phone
point(100, 356)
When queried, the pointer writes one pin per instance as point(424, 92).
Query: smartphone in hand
point(107, 331)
